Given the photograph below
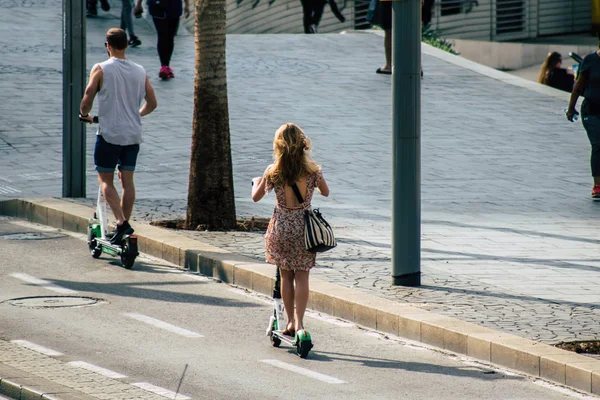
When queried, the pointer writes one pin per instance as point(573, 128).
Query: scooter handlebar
point(576, 57)
point(94, 120)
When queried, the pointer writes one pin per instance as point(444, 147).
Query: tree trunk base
point(247, 224)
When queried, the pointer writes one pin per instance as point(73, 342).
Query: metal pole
point(406, 124)
point(73, 87)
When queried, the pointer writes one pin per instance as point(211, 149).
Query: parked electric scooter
point(302, 340)
point(99, 242)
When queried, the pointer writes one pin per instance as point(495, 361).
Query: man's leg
point(127, 163)
point(128, 198)
point(110, 195)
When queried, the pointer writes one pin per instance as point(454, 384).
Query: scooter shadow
point(466, 371)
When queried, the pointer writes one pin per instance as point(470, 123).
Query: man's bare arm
point(151, 102)
point(92, 88)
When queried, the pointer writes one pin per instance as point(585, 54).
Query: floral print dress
point(284, 240)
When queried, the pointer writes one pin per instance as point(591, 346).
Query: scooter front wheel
point(275, 341)
point(95, 250)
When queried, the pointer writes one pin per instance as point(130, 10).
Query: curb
point(21, 385)
point(510, 351)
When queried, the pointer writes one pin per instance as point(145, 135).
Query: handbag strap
point(297, 193)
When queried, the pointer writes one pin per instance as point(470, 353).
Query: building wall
point(282, 16)
point(502, 20)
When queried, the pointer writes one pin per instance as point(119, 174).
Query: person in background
point(165, 15)
point(127, 22)
point(312, 11)
point(588, 86)
point(92, 7)
point(284, 241)
point(380, 14)
point(552, 73)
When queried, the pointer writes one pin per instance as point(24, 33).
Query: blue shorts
point(107, 156)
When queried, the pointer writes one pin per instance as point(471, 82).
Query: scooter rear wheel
point(127, 259)
point(303, 347)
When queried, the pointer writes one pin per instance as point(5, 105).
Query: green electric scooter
point(301, 340)
point(99, 242)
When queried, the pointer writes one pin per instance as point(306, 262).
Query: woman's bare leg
point(301, 278)
point(287, 294)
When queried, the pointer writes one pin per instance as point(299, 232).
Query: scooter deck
point(291, 340)
point(108, 245)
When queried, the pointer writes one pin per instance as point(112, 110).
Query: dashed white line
point(303, 371)
point(42, 283)
point(163, 325)
point(99, 370)
point(4, 189)
point(36, 347)
point(160, 391)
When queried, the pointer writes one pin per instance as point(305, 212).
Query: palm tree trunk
point(211, 203)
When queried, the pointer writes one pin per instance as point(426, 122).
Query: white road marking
point(42, 283)
point(99, 370)
point(303, 371)
point(4, 189)
point(160, 391)
point(163, 325)
point(36, 347)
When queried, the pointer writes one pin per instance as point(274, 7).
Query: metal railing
point(510, 19)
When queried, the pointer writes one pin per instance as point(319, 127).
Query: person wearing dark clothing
point(380, 14)
point(165, 15)
point(552, 73)
point(588, 86)
point(92, 7)
point(312, 11)
point(427, 12)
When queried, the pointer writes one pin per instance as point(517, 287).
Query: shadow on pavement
point(464, 371)
point(143, 290)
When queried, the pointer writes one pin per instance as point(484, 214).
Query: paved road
point(215, 329)
point(507, 235)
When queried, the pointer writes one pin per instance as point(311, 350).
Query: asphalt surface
point(217, 330)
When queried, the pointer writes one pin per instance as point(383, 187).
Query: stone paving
point(508, 236)
point(90, 383)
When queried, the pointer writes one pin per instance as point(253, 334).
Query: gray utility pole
point(406, 126)
point(73, 87)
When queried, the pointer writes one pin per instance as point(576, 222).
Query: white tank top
point(119, 101)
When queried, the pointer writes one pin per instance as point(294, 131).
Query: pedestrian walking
point(588, 86)
point(552, 73)
point(284, 240)
point(165, 15)
point(380, 14)
point(312, 11)
point(127, 22)
point(92, 7)
point(121, 86)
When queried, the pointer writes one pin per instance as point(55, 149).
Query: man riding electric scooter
point(121, 86)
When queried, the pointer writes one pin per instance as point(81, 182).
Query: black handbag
point(318, 234)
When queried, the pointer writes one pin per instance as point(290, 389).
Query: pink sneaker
point(164, 72)
point(170, 73)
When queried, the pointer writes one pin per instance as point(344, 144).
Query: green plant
point(432, 37)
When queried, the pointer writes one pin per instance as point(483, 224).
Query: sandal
point(381, 71)
point(289, 331)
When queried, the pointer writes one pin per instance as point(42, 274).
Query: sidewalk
point(508, 239)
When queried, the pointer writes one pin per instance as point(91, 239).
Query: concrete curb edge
point(510, 351)
point(21, 385)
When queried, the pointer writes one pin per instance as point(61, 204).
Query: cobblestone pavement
point(91, 383)
point(508, 238)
